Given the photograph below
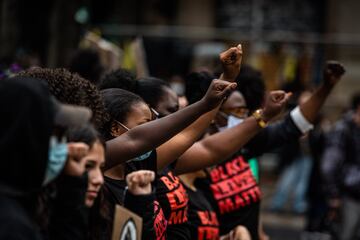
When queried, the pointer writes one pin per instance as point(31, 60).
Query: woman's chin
point(89, 202)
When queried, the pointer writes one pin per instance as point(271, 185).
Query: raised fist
point(75, 164)
point(333, 72)
point(217, 92)
point(139, 182)
point(275, 103)
point(231, 62)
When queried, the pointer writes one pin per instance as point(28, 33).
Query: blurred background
point(288, 40)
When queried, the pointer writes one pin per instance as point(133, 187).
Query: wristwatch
point(258, 115)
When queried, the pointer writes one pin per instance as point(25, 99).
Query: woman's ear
point(116, 130)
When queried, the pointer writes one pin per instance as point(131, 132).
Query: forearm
point(150, 135)
point(311, 108)
point(224, 144)
point(175, 147)
point(217, 147)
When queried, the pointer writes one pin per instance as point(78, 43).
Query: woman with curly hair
point(72, 89)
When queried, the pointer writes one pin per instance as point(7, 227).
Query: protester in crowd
point(316, 216)
point(295, 176)
point(34, 155)
point(239, 205)
point(202, 218)
point(158, 94)
point(138, 183)
point(341, 171)
point(94, 159)
point(169, 185)
point(72, 89)
point(128, 111)
point(140, 199)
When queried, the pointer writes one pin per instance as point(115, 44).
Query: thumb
point(286, 98)
point(231, 87)
point(277, 95)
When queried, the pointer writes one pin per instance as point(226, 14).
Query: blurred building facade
point(287, 40)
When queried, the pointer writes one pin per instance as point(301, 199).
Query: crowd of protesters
point(74, 145)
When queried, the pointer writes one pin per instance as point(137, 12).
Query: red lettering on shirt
point(178, 217)
point(235, 188)
point(208, 218)
point(160, 222)
point(208, 233)
point(177, 198)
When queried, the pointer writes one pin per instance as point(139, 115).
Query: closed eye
point(90, 164)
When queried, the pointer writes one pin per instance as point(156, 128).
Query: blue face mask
point(142, 157)
point(58, 153)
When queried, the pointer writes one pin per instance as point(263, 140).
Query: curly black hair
point(251, 84)
point(151, 89)
point(120, 78)
point(72, 89)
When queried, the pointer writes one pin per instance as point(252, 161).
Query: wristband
point(258, 115)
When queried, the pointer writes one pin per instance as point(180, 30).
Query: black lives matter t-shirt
point(202, 219)
point(173, 199)
point(234, 193)
point(154, 222)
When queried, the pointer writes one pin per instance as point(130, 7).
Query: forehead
point(97, 153)
point(236, 99)
point(169, 97)
point(138, 112)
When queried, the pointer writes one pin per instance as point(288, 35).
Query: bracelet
point(258, 115)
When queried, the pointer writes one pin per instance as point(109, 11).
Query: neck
point(116, 173)
point(188, 179)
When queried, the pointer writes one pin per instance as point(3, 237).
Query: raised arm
point(332, 74)
point(150, 135)
point(176, 146)
point(300, 119)
point(218, 147)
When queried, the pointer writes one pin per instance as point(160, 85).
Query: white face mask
point(233, 121)
point(179, 88)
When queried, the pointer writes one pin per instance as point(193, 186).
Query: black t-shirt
point(173, 199)
point(235, 195)
point(203, 222)
point(154, 222)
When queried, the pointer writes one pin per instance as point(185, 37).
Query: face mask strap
point(224, 115)
point(122, 125)
point(155, 113)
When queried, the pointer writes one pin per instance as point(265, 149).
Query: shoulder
point(15, 223)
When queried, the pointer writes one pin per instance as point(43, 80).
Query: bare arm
point(149, 136)
point(218, 147)
point(332, 74)
point(175, 147)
